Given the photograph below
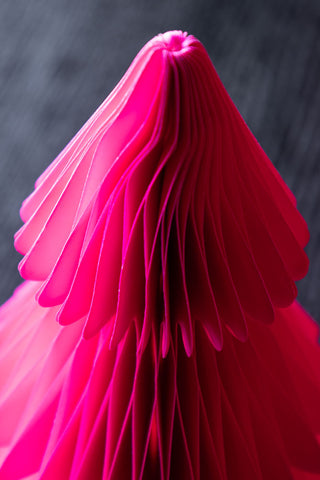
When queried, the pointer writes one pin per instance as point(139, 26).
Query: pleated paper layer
point(157, 336)
point(71, 408)
point(164, 209)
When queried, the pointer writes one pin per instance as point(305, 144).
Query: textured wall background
point(59, 59)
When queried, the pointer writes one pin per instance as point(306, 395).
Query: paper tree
point(166, 246)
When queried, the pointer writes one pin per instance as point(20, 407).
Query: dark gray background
point(60, 58)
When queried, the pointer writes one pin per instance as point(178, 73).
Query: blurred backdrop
point(60, 58)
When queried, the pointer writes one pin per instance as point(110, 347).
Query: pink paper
point(167, 247)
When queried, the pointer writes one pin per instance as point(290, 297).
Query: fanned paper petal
point(169, 134)
point(166, 245)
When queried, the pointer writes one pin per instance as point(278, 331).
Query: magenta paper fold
point(157, 334)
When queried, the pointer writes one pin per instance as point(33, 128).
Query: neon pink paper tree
point(166, 245)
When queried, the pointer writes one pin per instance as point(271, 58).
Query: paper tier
point(165, 243)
